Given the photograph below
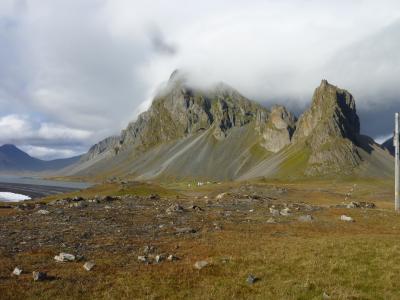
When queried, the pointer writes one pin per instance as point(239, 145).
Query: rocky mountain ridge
point(190, 132)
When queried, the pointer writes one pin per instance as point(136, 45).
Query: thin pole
point(396, 164)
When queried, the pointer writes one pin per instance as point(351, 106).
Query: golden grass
point(293, 260)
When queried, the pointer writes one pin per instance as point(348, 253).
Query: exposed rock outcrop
point(278, 131)
point(110, 144)
point(219, 134)
point(179, 111)
point(331, 129)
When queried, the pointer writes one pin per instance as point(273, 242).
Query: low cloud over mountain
point(74, 72)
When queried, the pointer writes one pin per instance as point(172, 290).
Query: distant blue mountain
point(14, 159)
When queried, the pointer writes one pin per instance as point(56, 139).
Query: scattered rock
point(201, 264)
point(175, 208)
point(195, 207)
point(274, 212)
point(77, 199)
point(39, 276)
point(354, 204)
point(43, 212)
point(64, 257)
point(285, 212)
point(185, 230)
point(149, 249)
point(17, 271)
point(346, 218)
point(251, 279)
point(89, 265)
point(271, 221)
point(221, 196)
point(325, 296)
point(172, 258)
point(142, 259)
point(79, 204)
point(159, 258)
point(306, 218)
point(154, 197)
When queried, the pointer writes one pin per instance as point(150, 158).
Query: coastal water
point(46, 182)
point(17, 188)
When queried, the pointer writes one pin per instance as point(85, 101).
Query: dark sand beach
point(33, 191)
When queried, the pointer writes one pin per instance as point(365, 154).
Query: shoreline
point(32, 190)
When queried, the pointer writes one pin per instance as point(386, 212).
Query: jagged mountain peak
point(219, 133)
point(331, 128)
point(333, 108)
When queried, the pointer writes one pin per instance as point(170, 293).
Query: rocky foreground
point(213, 241)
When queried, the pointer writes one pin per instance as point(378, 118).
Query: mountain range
point(219, 134)
point(12, 159)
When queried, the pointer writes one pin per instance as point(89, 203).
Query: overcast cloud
point(75, 71)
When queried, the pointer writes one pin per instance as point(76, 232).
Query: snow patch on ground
point(12, 197)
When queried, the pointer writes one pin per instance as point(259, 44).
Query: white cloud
point(81, 70)
point(54, 131)
point(48, 153)
point(14, 127)
point(44, 139)
point(383, 138)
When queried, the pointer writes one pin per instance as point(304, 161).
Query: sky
point(73, 72)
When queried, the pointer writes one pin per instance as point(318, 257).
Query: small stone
point(201, 264)
point(274, 212)
point(325, 296)
point(220, 196)
point(195, 207)
point(89, 265)
point(353, 205)
point(80, 204)
point(17, 271)
point(43, 212)
point(172, 258)
point(159, 258)
point(346, 218)
point(251, 279)
point(175, 208)
point(148, 249)
point(306, 218)
point(39, 276)
point(271, 221)
point(185, 230)
point(64, 257)
point(285, 212)
point(142, 259)
point(369, 205)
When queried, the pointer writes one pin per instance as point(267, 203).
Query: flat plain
point(289, 236)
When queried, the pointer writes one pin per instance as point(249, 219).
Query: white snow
point(12, 197)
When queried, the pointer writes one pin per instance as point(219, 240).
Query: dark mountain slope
point(13, 159)
point(220, 134)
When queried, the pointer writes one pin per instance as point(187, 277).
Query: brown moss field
point(290, 258)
